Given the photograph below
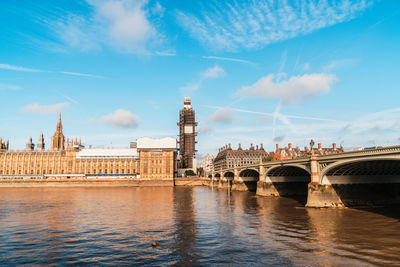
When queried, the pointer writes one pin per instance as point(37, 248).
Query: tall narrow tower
point(58, 139)
point(40, 144)
point(187, 134)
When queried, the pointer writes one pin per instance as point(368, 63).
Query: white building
point(208, 164)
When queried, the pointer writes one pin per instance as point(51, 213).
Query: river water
point(193, 227)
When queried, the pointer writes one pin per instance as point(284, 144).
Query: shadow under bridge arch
point(289, 180)
point(364, 181)
point(229, 175)
point(249, 177)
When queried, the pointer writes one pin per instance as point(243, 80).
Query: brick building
point(290, 152)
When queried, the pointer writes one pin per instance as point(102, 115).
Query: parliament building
point(146, 158)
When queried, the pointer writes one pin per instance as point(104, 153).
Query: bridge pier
point(224, 183)
point(356, 183)
point(265, 187)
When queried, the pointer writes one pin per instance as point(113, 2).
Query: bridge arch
point(288, 170)
point(217, 176)
point(229, 175)
point(249, 174)
point(209, 176)
point(383, 166)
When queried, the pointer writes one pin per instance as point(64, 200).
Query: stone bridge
point(370, 176)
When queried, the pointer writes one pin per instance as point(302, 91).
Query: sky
point(258, 71)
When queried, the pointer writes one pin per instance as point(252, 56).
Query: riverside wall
point(114, 182)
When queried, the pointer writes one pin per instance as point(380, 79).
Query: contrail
point(270, 114)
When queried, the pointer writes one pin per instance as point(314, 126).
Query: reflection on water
point(193, 226)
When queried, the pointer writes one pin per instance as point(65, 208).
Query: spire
point(59, 124)
point(40, 144)
point(58, 139)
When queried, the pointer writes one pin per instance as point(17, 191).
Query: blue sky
point(257, 71)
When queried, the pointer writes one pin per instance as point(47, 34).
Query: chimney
point(256, 147)
point(277, 147)
point(306, 149)
point(334, 146)
point(240, 147)
point(290, 145)
point(261, 147)
point(319, 146)
point(229, 146)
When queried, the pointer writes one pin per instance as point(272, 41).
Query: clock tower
point(187, 125)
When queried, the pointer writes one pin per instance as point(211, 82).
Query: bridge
point(370, 176)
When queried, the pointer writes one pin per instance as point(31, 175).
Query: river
point(193, 227)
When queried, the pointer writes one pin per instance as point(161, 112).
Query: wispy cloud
point(268, 114)
point(165, 54)
point(44, 109)
point(17, 68)
point(70, 99)
point(82, 74)
point(24, 69)
point(255, 24)
point(121, 118)
point(229, 59)
point(11, 87)
point(210, 73)
point(290, 91)
point(339, 64)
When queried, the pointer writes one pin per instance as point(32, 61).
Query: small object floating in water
point(154, 244)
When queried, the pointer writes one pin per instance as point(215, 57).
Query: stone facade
point(157, 164)
point(68, 158)
point(229, 158)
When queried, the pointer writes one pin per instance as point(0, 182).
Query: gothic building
point(187, 136)
point(68, 158)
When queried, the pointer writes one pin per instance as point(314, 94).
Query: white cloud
point(223, 115)
point(121, 118)
point(205, 130)
point(210, 73)
point(191, 87)
point(214, 72)
point(121, 24)
point(289, 91)
point(255, 24)
point(16, 68)
point(43, 109)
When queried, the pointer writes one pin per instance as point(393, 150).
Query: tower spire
point(58, 139)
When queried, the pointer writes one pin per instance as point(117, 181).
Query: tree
point(189, 173)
